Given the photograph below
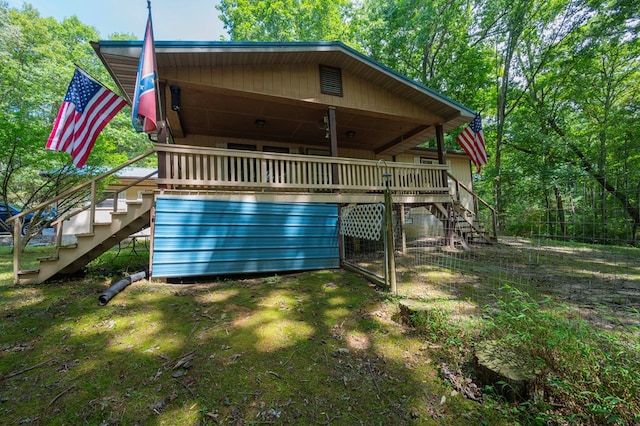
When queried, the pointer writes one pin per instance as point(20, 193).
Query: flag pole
point(155, 73)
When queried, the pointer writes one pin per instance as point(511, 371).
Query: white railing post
point(92, 209)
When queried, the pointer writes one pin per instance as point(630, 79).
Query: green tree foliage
point(526, 35)
point(433, 42)
point(286, 20)
point(588, 100)
point(38, 56)
point(569, 79)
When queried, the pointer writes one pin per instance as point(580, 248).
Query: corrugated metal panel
point(214, 237)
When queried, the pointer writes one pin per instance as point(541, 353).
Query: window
point(242, 147)
point(276, 149)
point(428, 161)
point(241, 169)
point(320, 152)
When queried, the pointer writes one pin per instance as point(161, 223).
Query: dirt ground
point(600, 284)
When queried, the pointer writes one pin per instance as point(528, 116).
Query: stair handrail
point(92, 183)
point(112, 194)
point(477, 199)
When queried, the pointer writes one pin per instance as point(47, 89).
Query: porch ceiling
point(207, 111)
point(210, 111)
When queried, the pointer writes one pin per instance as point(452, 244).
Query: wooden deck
point(235, 174)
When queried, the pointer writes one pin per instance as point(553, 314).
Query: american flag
point(472, 141)
point(87, 107)
point(143, 110)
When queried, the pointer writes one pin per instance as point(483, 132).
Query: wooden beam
point(449, 223)
point(333, 137)
point(397, 141)
point(403, 230)
point(442, 152)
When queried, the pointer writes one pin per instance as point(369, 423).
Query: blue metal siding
point(213, 237)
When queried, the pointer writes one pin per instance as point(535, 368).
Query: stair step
point(28, 271)
point(69, 246)
point(49, 258)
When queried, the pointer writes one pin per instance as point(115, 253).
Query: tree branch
point(633, 212)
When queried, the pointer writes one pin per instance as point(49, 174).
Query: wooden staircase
point(101, 236)
point(464, 222)
point(71, 258)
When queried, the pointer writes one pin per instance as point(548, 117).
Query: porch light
point(175, 98)
point(260, 123)
point(350, 134)
point(323, 123)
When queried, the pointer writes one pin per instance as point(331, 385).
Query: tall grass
point(588, 376)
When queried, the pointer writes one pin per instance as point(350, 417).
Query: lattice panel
point(362, 221)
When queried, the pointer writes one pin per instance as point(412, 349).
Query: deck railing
point(187, 167)
point(486, 215)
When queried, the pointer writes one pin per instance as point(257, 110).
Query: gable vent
point(330, 80)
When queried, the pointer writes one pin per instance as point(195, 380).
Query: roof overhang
point(231, 113)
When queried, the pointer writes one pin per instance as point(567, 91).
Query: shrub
point(588, 375)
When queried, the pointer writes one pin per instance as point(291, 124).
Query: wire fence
point(595, 282)
point(580, 211)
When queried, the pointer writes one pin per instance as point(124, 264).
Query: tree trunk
point(598, 176)
point(548, 228)
point(515, 27)
point(561, 215)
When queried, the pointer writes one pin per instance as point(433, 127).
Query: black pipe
point(119, 286)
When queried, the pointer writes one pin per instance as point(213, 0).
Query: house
point(259, 144)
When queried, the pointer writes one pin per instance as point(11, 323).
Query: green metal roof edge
point(310, 46)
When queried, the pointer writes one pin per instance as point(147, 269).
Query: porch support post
point(333, 138)
point(162, 161)
point(162, 133)
point(389, 246)
point(403, 234)
point(442, 152)
point(442, 159)
point(341, 248)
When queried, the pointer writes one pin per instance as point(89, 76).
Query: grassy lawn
point(321, 347)
point(311, 348)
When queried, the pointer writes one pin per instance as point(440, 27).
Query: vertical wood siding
point(302, 82)
point(214, 237)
